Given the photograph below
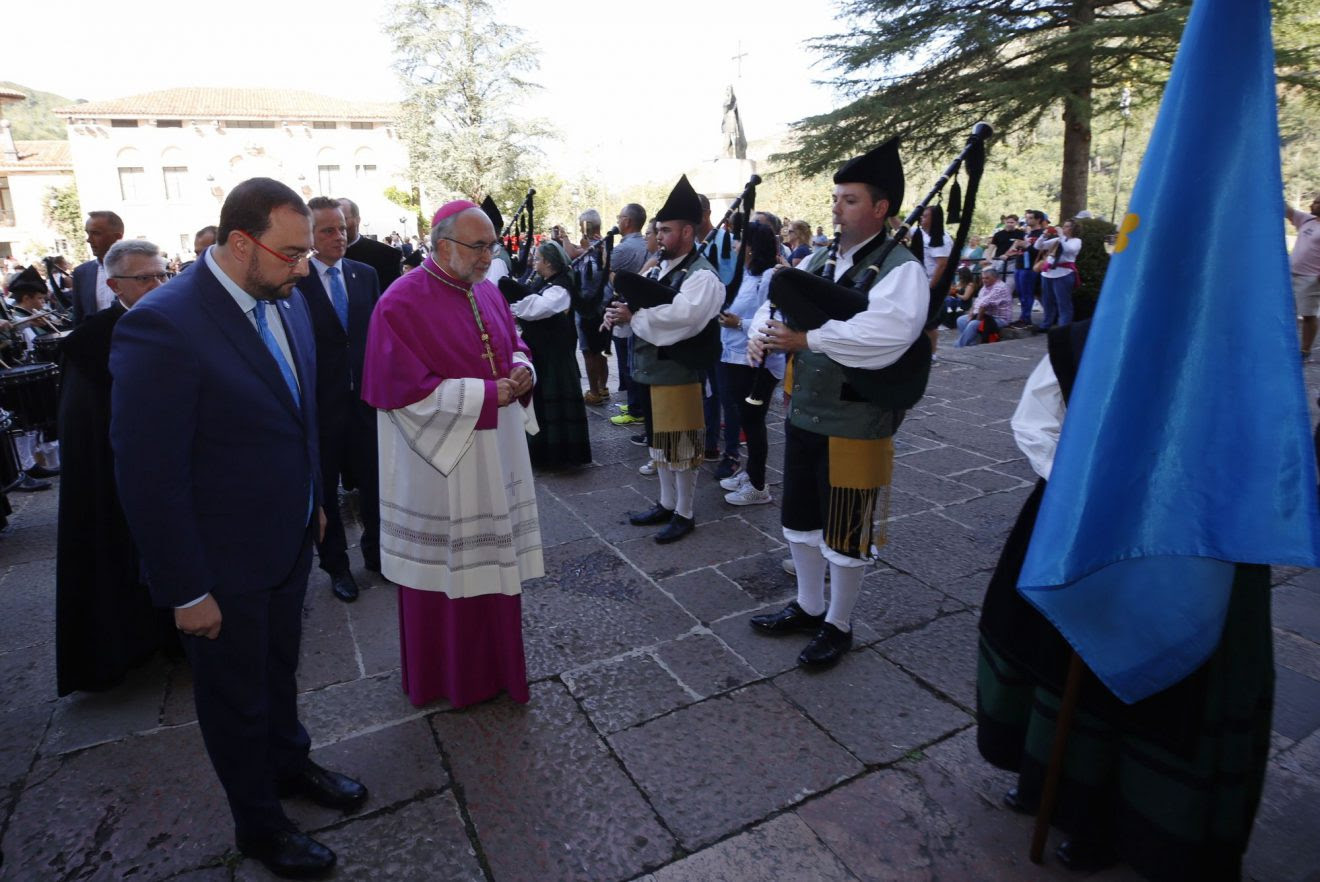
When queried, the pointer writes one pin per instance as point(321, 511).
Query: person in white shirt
point(1059, 279)
point(1305, 265)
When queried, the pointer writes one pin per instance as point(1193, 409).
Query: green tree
point(462, 69)
point(63, 212)
point(928, 69)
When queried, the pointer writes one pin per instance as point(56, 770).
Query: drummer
point(38, 456)
point(28, 291)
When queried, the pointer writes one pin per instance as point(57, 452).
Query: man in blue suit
point(340, 295)
point(91, 294)
point(213, 427)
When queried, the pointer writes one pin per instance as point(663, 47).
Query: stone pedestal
point(722, 181)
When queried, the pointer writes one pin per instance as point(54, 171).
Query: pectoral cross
point(489, 354)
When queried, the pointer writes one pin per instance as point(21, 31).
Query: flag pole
point(1062, 727)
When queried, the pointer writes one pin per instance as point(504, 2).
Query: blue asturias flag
point(1186, 446)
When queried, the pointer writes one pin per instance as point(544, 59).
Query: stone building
point(29, 170)
point(165, 160)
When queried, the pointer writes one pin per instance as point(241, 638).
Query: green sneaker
point(624, 419)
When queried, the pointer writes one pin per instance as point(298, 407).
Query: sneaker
point(647, 468)
point(734, 481)
point(621, 408)
point(625, 419)
point(748, 495)
point(641, 440)
point(728, 467)
point(595, 398)
point(712, 455)
point(789, 566)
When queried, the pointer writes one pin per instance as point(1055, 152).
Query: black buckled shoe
point(28, 484)
point(676, 529)
point(1013, 799)
point(289, 854)
point(657, 515)
point(324, 787)
point(826, 648)
point(40, 471)
point(345, 586)
point(791, 619)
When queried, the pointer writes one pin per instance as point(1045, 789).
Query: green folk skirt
point(1172, 782)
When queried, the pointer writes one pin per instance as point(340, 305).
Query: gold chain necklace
point(489, 354)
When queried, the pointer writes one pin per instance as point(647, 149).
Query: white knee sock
point(810, 566)
point(23, 445)
point(686, 482)
point(845, 588)
point(666, 476)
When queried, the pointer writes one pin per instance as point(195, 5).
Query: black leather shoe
point(789, 620)
point(289, 854)
point(28, 484)
point(345, 586)
point(38, 471)
point(676, 529)
point(324, 787)
point(826, 648)
point(657, 515)
point(1085, 857)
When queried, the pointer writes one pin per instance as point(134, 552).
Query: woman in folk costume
point(543, 312)
point(1170, 783)
point(459, 531)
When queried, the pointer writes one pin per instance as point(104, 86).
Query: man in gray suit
point(91, 294)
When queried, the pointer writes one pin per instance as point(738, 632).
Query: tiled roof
point(11, 95)
point(211, 103)
point(40, 156)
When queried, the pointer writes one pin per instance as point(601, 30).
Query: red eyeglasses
point(287, 260)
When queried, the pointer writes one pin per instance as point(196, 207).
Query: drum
point(32, 393)
point(46, 348)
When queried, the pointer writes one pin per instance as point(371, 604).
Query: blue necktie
point(338, 296)
point(273, 345)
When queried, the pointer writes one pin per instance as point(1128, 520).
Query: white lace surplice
point(458, 506)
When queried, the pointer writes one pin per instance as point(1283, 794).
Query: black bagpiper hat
point(28, 280)
point(682, 204)
point(493, 212)
point(881, 168)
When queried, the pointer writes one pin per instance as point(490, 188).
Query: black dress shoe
point(289, 854)
point(826, 648)
point(657, 515)
point(676, 529)
point(38, 471)
point(1085, 857)
point(324, 787)
point(789, 620)
point(28, 484)
point(345, 586)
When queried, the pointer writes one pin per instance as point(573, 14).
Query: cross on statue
point(737, 59)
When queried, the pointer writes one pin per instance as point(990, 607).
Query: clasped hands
point(617, 313)
point(774, 337)
point(517, 384)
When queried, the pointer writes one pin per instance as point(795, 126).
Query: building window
point(132, 186)
point(169, 123)
point(327, 177)
point(251, 123)
point(185, 243)
point(123, 124)
point(324, 124)
point(176, 177)
point(362, 125)
point(6, 204)
point(364, 171)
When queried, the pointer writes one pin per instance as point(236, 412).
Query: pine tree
point(929, 69)
point(463, 70)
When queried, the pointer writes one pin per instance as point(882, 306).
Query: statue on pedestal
point(734, 139)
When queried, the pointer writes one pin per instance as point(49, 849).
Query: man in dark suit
point(213, 428)
point(384, 259)
point(91, 294)
point(340, 295)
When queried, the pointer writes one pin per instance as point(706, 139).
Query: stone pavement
point(664, 740)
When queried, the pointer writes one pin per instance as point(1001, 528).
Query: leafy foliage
point(63, 212)
point(1092, 264)
point(462, 69)
point(32, 120)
